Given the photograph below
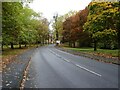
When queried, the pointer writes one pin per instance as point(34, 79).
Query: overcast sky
point(50, 7)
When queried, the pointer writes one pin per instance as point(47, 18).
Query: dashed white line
point(59, 56)
point(77, 64)
point(63, 52)
point(66, 60)
point(88, 70)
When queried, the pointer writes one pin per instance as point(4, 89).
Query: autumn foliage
point(97, 25)
point(103, 24)
point(73, 28)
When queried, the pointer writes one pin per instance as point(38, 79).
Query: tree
point(73, 28)
point(22, 25)
point(59, 24)
point(66, 31)
point(28, 26)
point(102, 22)
point(10, 22)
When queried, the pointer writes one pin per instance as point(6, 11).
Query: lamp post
point(55, 17)
point(49, 32)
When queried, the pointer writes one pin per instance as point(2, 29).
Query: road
point(52, 68)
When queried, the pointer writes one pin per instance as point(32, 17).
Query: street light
point(55, 17)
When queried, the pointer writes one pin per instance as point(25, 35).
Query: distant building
point(105, 0)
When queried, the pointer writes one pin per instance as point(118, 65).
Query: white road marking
point(59, 56)
point(76, 64)
point(7, 84)
point(88, 70)
point(66, 60)
point(63, 52)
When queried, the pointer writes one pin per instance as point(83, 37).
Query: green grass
point(17, 46)
point(8, 51)
point(113, 53)
point(12, 52)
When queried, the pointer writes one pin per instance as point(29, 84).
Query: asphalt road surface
point(52, 68)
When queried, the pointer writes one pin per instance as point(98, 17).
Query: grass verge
point(102, 55)
point(101, 52)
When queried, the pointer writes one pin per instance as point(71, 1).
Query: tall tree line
point(96, 26)
point(22, 25)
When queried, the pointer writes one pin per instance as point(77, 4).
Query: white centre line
point(88, 70)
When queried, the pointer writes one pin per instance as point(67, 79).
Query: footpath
point(12, 75)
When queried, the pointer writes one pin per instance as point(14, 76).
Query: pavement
point(12, 75)
point(0, 80)
point(53, 68)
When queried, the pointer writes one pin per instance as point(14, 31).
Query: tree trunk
point(48, 39)
point(74, 44)
point(43, 41)
point(25, 45)
point(12, 46)
point(19, 45)
point(70, 44)
point(79, 44)
point(2, 47)
point(95, 46)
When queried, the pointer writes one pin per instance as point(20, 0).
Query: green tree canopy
point(102, 21)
